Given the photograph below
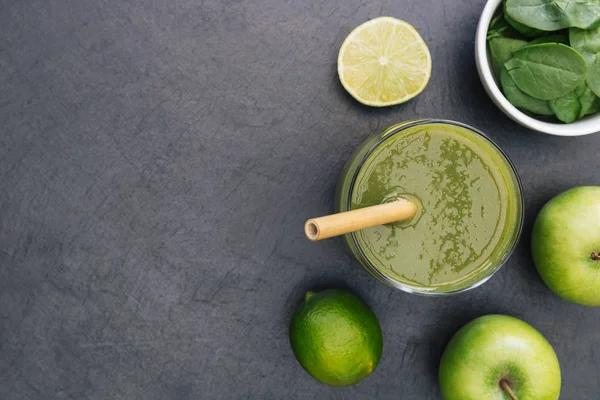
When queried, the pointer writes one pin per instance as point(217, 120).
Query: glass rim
point(395, 129)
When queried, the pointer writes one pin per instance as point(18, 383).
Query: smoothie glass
point(470, 206)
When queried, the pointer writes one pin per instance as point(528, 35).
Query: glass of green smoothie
point(469, 198)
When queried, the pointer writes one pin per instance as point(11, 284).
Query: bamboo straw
point(355, 220)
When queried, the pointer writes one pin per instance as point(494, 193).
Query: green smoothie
point(470, 206)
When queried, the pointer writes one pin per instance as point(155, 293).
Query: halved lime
point(384, 62)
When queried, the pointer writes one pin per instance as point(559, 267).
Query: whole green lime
point(336, 337)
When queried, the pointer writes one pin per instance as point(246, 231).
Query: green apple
point(565, 244)
point(497, 357)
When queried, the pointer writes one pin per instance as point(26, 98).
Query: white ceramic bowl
point(585, 126)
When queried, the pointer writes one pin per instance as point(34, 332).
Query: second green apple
point(499, 357)
point(565, 245)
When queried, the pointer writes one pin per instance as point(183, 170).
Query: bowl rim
point(586, 126)
point(364, 260)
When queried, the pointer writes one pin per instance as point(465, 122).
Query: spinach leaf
point(497, 27)
point(501, 50)
point(521, 28)
point(559, 38)
point(500, 28)
point(593, 79)
point(497, 22)
point(520, 99)
point(587, 43)
point(540, 14)
point(547, 71)
point(567, 108)
point(583, 14)
point(590, 103)
point(552, 15)
point(576, 104)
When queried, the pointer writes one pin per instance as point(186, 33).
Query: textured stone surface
point(157, 161)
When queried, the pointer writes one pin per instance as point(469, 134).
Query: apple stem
point(506, 387)
point(595, 256)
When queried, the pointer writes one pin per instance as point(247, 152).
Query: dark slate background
point(157, 162)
